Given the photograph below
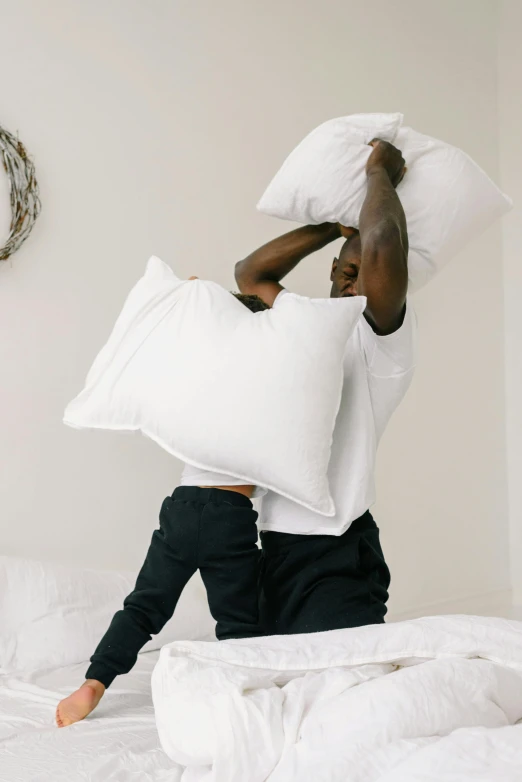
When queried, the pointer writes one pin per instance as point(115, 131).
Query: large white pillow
point(252, 395)
point(447, 198)
point(53, 615)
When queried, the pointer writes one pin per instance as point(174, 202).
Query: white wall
point(155, 127)
point(510, 127)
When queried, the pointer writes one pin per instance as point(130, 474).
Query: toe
point(61, 718)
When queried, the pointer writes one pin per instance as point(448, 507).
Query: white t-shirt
point(377, 374)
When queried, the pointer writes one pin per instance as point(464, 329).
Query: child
point(207, 524)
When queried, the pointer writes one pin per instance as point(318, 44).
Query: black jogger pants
point(210, 529)
point(311, 583)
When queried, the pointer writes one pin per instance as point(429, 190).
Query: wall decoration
point(23, 190)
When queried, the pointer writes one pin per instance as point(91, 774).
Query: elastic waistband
point(279, 541)
point(203, 496)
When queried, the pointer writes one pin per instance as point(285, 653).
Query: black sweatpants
point(311, 583)
point(210, 529)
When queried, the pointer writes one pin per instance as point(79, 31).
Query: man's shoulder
point(391, 354)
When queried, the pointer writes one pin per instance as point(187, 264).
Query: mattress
point(118, 742)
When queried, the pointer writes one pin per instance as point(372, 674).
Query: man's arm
point(261, 271)
point(383, 276)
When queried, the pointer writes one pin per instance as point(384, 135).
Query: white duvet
point(429, 700)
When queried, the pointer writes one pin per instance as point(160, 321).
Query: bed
point(51, 618)
point(282, 720)
point(436, 699)
point(118, 742)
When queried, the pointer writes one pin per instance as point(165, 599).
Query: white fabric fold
point(378, 703)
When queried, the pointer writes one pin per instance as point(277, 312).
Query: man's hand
point(386, 157)
point(346, 232)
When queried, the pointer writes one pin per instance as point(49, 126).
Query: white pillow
point(447, 198)
point(251, 395)
point(53, 615)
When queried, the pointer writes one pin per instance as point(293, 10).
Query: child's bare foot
point(78, 705)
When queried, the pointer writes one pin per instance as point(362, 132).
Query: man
point(324, 573)
point(318, 573)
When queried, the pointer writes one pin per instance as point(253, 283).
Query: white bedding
point(117, 743)
point(429, 700)
point(432, 700)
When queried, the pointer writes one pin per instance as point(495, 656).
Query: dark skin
point(372, 261)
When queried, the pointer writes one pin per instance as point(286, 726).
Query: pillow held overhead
point(448, 199)
point(251, 395)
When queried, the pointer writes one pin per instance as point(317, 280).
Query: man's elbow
point(241, 276)
point(248, 277)
point(245, 280)
point(237, 271)
point(386, 233)
point(387, 237)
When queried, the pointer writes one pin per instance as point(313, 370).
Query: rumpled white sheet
point(118, 742)
point(434, 699)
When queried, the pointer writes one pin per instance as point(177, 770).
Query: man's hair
point(253, 302)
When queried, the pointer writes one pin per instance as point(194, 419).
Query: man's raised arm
point(261, 271)
point(383, 276)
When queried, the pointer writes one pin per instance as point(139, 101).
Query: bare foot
point(78, 705)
